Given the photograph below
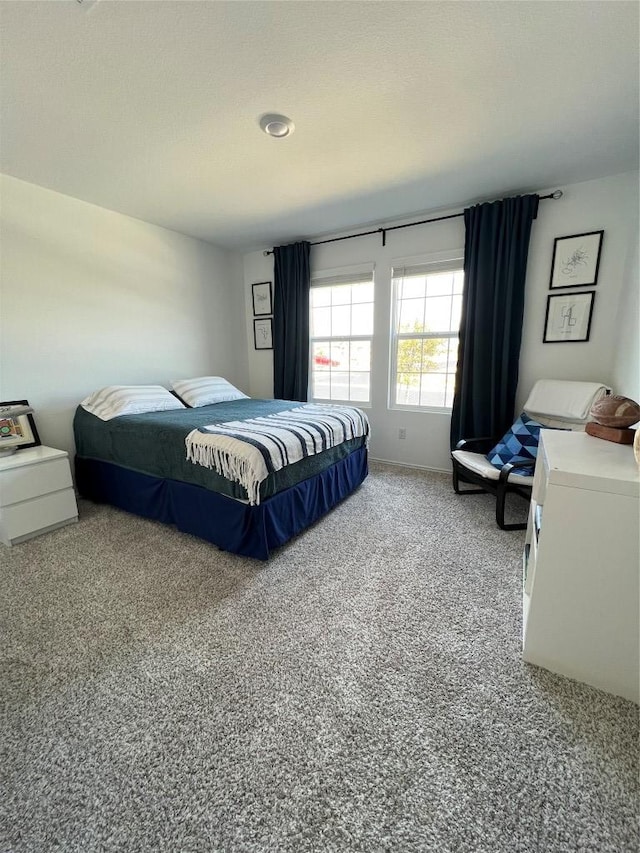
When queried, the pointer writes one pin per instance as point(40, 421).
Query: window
point(427, 306)
point(341, 331)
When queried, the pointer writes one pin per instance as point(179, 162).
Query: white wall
point(626, 370)
point(256, 268)
point(89, 297)
point(608, 203)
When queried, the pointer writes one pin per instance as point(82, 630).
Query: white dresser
point(36, 493)
point(582, 563)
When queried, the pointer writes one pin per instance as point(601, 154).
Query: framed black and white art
point(263, 334)
point(568, 317)
point(576, 260)
point(261, 292)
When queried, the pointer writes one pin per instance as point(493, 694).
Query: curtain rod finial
point(557, 194)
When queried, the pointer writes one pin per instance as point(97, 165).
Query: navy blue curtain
point(495, 265)
point(291, 321)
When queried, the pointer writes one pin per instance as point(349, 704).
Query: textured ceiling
point(152, 108)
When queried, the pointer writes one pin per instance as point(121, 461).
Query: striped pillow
point(205, 390)
point(116, 400)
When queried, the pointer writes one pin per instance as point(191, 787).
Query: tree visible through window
point(416, 355)
point(428, 302)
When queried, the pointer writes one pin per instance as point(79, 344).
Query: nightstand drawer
point(30, 481)
point(30, 517)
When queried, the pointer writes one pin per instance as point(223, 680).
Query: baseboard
point(409, 465)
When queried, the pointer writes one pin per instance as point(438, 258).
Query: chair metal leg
point(471, 492)
point(501, 497)
point(456, 484)
point(498, 488)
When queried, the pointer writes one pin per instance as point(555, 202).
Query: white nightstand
point(36, 493)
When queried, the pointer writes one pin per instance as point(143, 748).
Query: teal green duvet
point(154, 443)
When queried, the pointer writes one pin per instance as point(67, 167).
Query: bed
point(138, 462)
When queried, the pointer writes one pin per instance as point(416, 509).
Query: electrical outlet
point(402, 433)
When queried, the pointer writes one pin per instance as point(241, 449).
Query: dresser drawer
point(29, 517)
point(30, 481)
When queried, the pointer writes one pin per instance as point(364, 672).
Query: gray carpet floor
point(362, 691)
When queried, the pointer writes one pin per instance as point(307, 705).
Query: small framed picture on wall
point(576, 260)
point(568, 317)
point(263, 333)
point(262, 303)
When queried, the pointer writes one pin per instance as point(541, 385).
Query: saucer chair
point(552, 403)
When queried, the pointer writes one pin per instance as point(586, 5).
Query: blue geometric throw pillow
point(518, 444)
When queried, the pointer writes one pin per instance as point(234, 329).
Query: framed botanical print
point(568, 317)
point(576, 260)
point(262, 302)
point(263, 334)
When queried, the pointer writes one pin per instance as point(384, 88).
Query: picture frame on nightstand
point(17, 431)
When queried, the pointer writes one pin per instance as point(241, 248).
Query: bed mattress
point(154, 443)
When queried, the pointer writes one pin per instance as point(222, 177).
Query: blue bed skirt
point(252, 531)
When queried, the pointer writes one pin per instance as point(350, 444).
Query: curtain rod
point(554, 195)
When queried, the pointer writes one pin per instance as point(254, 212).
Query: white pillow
point(204, 390)
point(116, 400)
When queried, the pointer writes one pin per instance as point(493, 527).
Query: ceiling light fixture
point(277, 126)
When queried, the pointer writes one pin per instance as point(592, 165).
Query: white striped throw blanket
point(248, 451)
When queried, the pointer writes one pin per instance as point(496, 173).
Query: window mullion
point(409, 336)
point(341, 338)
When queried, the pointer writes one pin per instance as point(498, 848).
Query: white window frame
point(440, 262)
point(316, 281)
